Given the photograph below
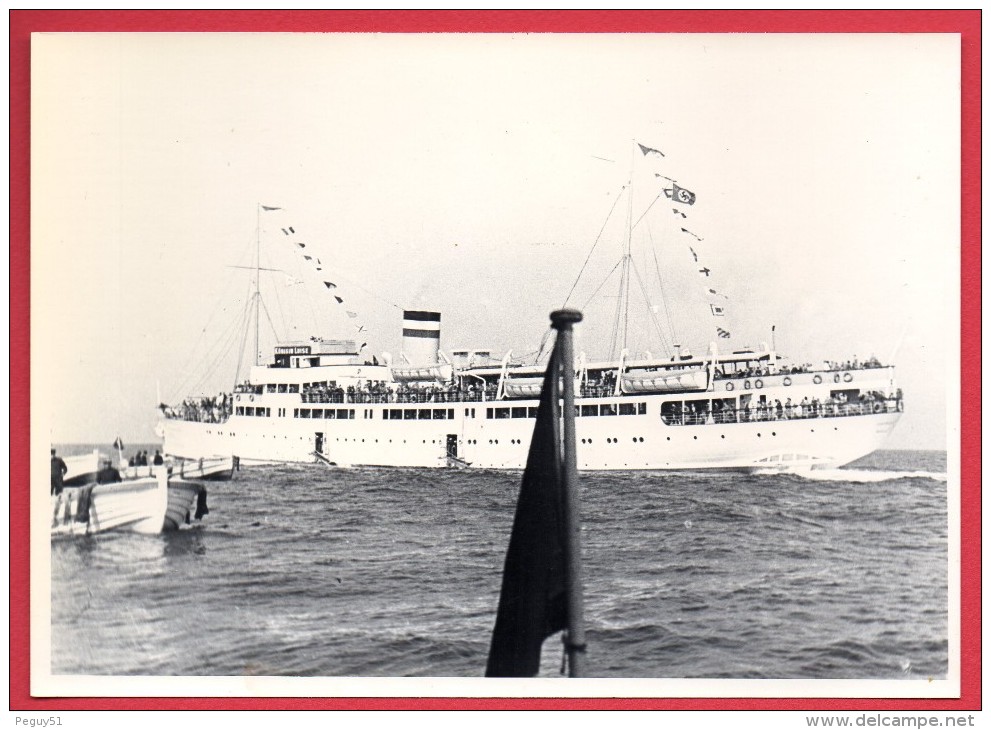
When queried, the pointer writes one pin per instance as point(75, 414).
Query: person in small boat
point(107, 475)
point(58, 473)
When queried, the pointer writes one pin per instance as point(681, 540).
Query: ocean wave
point(867, 475)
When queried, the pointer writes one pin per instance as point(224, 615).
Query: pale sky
point(472, 174)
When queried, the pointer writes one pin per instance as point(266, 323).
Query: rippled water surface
point(303, 570)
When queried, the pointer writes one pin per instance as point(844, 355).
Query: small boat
point(210, 468)
point(148, 505)
point(82, 468)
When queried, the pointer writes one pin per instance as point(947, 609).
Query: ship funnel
point(421, 337)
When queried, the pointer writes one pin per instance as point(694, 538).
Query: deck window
point(627, 409)
point(607, 409)
point(519, 413)
point(590, 410)
point(502, 413)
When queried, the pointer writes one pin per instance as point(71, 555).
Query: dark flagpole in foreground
point(542, 579)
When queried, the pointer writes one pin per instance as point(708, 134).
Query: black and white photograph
point(492, 365)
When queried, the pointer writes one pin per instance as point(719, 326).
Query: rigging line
point(200, 366)
point(543, 343)
point(224, 346)
point(660, 286)
point(228, 344)
point(608, 277)
point(594, 244)
point(653, 315)
point(216, 308)
point(269, 318)
point(278, 304)
point(351, 282)
point(244, 341)
point(643, 215)
point(614, 339)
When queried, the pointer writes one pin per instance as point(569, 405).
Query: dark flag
point(270, 207)
point(118, 444)
point(330, 285)
point(680, 195)
point(339, 300)
point(649, 150)
point(532, 604)
point(722, 333)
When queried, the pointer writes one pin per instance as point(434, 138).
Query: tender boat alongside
point(149, 505)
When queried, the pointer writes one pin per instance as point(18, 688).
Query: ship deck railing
point(785, 413)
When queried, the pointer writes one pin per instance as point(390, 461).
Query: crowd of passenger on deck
point(214, 409)
point(379, 391)
point(219, 408)
point(762, 371)
point(688, 413)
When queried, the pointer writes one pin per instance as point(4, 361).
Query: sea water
point(303, 570)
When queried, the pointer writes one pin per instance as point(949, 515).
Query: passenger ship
point(744, 411)
point(323, 400)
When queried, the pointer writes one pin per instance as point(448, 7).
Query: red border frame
point(965, 22)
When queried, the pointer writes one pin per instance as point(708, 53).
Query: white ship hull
point(496, 434)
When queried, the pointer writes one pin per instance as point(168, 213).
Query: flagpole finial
point(564, 318)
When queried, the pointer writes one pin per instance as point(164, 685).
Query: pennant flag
point(715, 293)
point(361, 328)
point(330, 285)
point(118, 444)
point(717, 310)
point(532, 603)
point(352, 315)
point(678, 212)
point(339, 300)
point(270, 207)
point(685, 230)
point(301, 245)
point(722, 333)
point(308, 258)
point(680, 195)
point(291, 229)
point(704, 271)
point(285, 231)
point(694, 255)
point(649, 150)
point(293, 281)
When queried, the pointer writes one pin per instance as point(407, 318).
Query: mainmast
point(629, 246)
point(258, 261)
